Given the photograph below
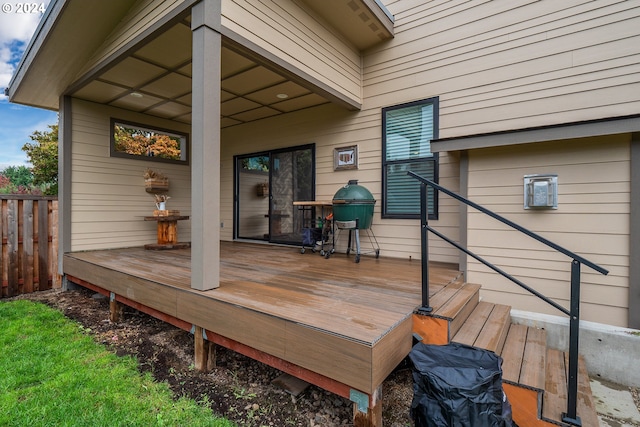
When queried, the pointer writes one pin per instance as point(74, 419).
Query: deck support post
point(372, 417)
point(115, 309)
point(205, 145)
point(204, 351)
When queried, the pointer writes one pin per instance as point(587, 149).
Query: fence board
point(43, 246)
point(29, 244)
point(12, 247)
point(56, 281)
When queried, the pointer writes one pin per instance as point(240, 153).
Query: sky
point(17, 122)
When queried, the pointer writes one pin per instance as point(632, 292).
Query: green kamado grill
point(353, 210)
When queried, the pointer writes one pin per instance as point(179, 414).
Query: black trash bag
point(458, 386)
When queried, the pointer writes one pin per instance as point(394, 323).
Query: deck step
point(452, 305)
point(486, 327)
point(532, 373)
point(534, 377)
point(555, 395)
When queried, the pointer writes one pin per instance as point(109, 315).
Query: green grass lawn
point(54, 374)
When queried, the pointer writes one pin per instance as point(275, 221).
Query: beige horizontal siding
point(592, 311)
point(508, 65)
point(108, 201)
point(592, 220)
point(329, 127)
point(286, 30)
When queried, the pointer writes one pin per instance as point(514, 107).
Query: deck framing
point(332, 322)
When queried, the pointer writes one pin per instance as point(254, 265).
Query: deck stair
point(534, 376)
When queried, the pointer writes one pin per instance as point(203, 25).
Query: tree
point(43, 155)
point(146, 143)
point(18, 175)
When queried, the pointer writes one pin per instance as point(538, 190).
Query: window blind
point(408, 131)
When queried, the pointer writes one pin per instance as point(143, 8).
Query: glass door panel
point(291, 180)
point(267, 184)
point(253, 197)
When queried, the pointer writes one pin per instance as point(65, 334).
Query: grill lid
point(353, 193)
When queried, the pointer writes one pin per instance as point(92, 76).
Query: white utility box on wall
point(541, 191)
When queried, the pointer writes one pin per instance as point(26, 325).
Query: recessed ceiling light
point(282, 96)
point(136, 94)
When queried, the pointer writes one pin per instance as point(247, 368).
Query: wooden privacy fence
point(29, 234)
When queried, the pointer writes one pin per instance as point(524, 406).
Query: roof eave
point(554, 132)
point(47, 22)
point(364, 23)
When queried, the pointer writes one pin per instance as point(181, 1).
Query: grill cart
point(317, 231)
point(353, 211)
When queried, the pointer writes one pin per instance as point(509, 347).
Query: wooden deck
point(348, 322)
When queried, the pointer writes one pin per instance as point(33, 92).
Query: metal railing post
point(574, 330)
point(570, 416)
point(424, 238)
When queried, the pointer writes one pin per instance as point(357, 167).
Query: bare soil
point(239, 388)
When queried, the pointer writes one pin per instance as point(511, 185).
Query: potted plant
point(161, 201)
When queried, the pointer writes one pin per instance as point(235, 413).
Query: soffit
point(62, 45)
point(156, 80)
point(364, 23)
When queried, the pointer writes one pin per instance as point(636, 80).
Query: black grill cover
point(458, 386)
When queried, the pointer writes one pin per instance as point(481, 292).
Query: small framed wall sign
point(345, 158)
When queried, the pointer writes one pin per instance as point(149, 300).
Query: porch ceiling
point(156, 80)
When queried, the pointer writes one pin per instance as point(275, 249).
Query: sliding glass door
point(267, 184)
point(252, 197)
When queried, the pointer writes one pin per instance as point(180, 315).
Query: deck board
point(533, 368)
point(469, 332)
point(494, 333)
point(555, 395)
point(586, 407)
point(348, 321)
point(513, 352)
point(357, 300)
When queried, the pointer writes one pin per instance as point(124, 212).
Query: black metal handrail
point(571, 415)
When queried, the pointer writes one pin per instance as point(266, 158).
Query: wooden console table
point(167, 232)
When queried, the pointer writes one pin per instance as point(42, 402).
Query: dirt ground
point(239, 388)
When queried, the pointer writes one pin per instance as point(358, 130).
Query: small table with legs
point(167, 232)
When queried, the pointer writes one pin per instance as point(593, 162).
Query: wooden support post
point(167, 232)
point(204, 351)
point(206, 26)
point(211, 357)
point(115, 309)
point(373, 415)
